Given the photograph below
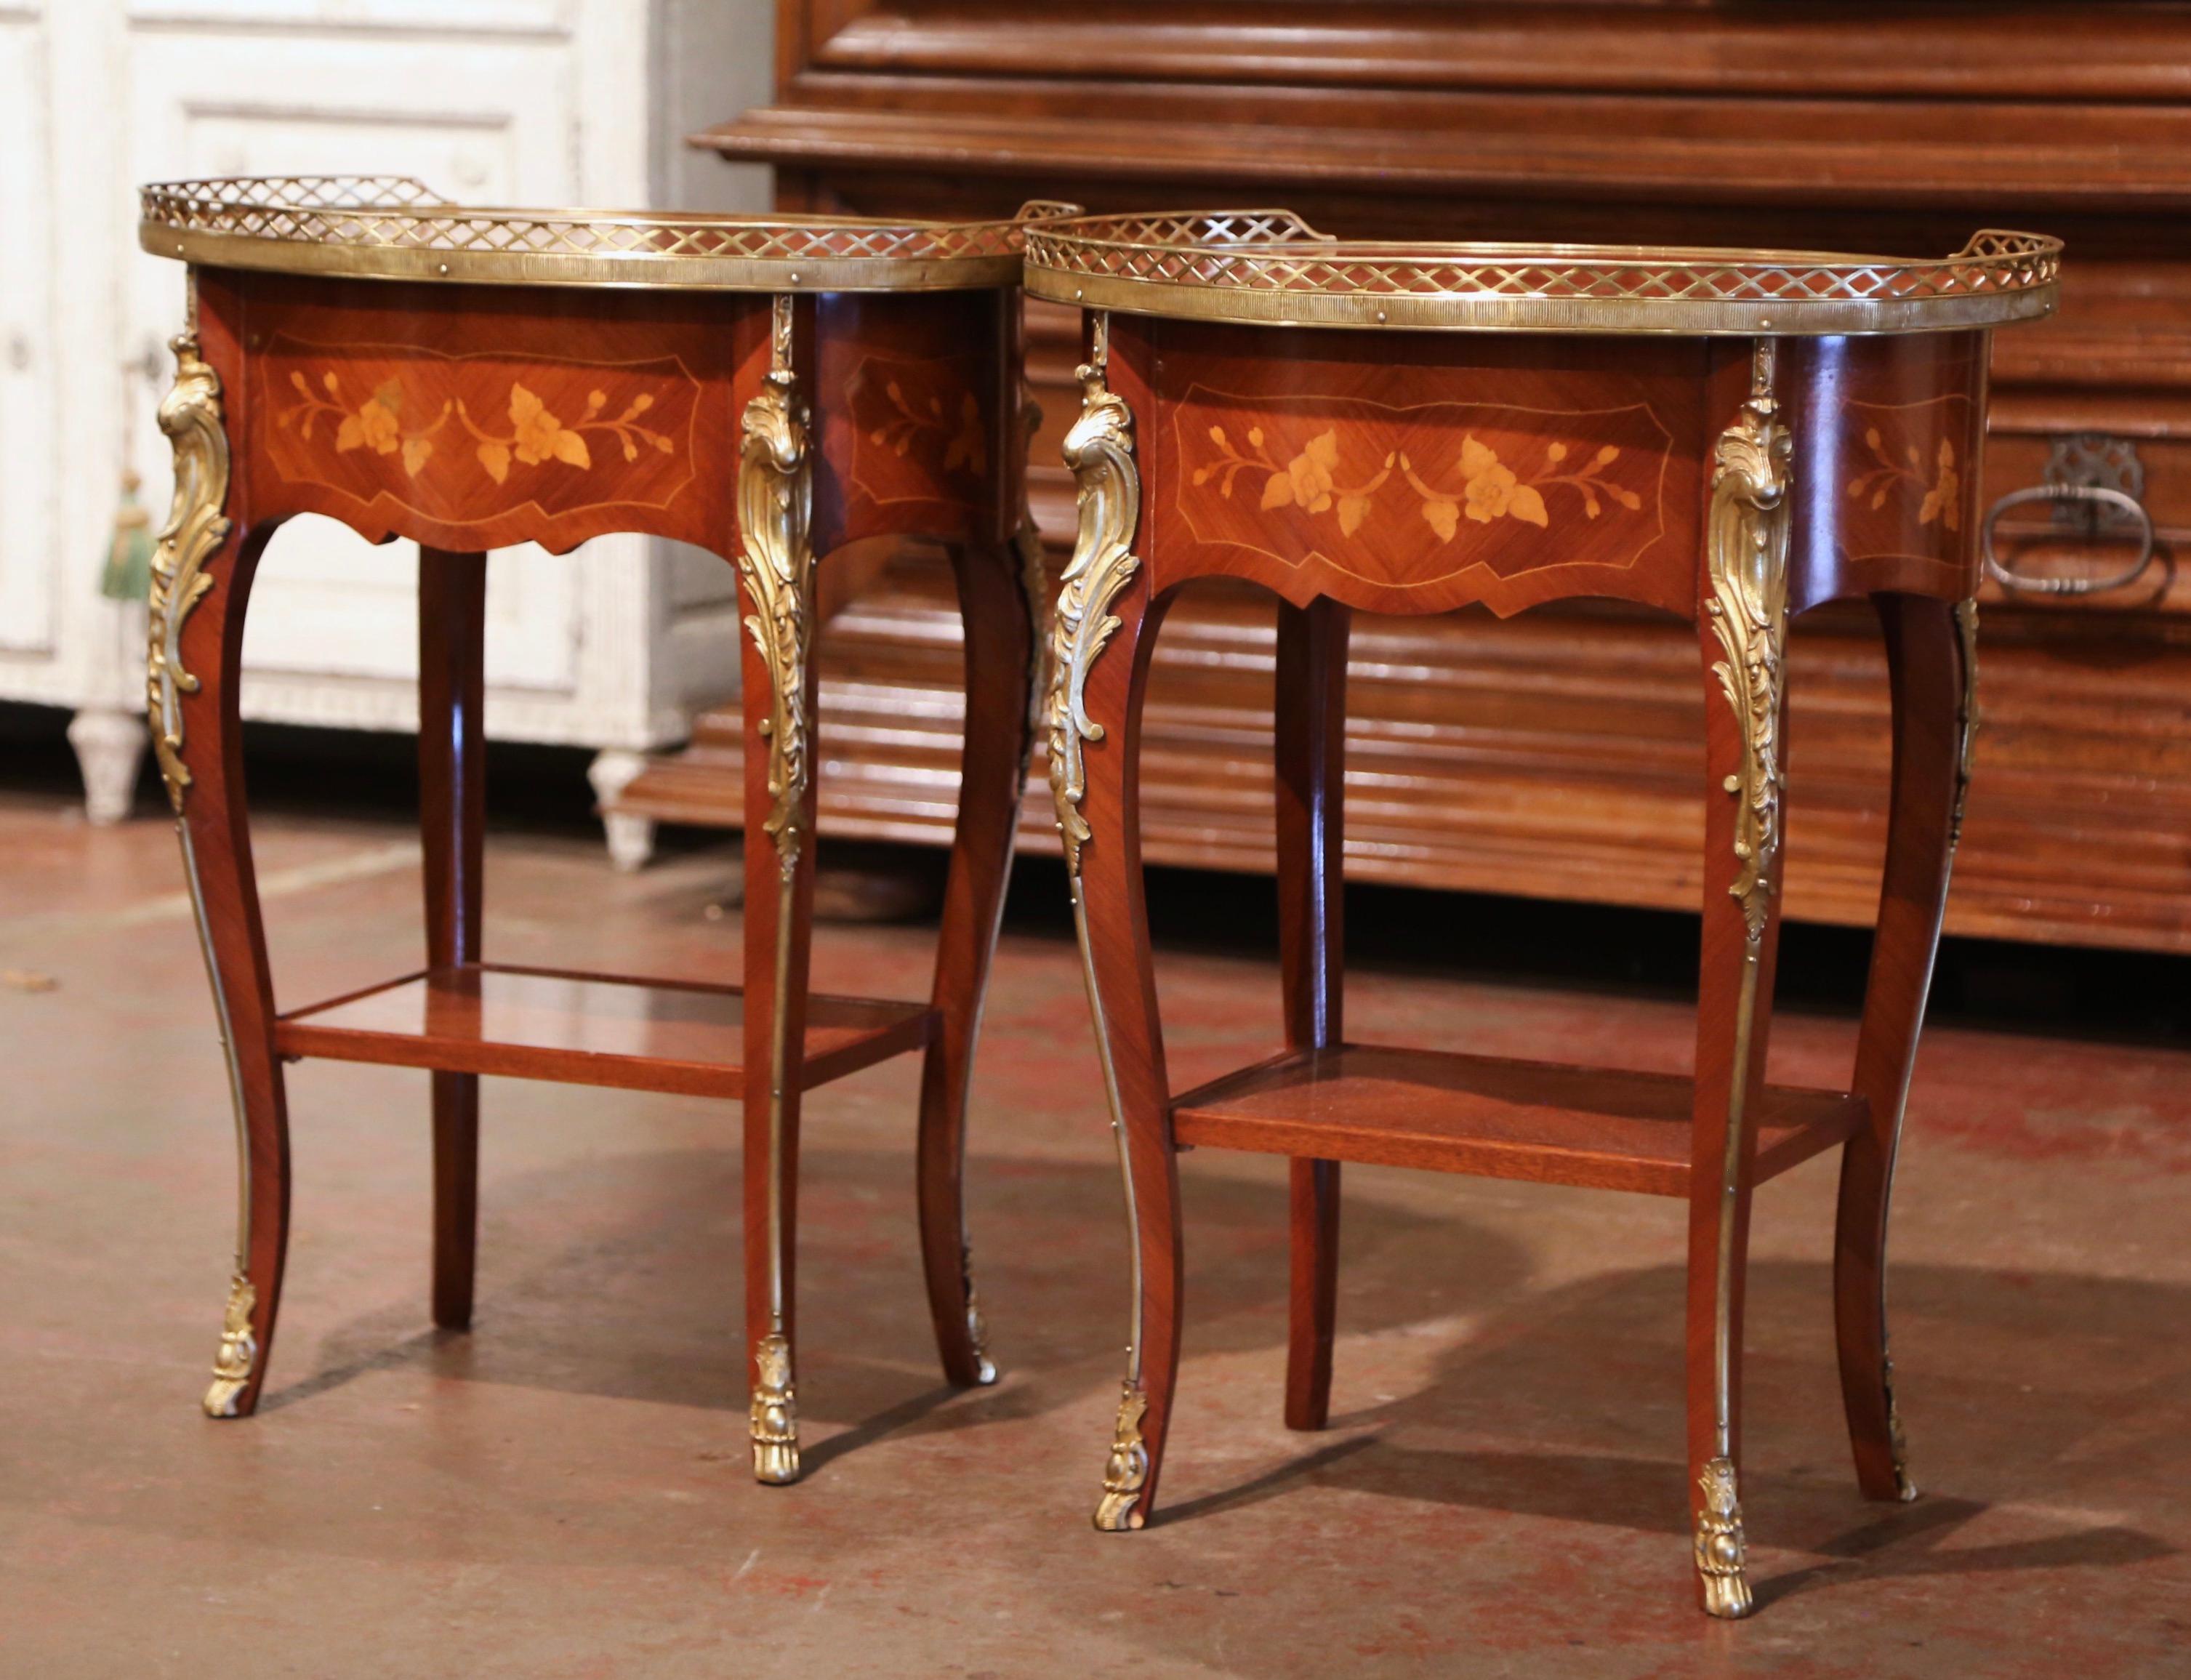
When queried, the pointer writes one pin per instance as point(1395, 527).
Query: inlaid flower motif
point(376, 423)
point(1589, 482)
point(375, 426)
point(1493, 491)
point(537, 436)
point(969, 447)
point(1942, 488)
point(1943, 500)
point(1230, 461)
point(540, 437)
point(1354, 506)
point(1489, 489)
point(965, 439)
point(1308, 481)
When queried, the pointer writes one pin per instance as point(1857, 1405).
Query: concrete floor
point(564, 1492)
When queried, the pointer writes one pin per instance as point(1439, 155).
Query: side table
point(1730, 436)
point(773, 389)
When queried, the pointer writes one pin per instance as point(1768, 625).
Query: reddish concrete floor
point(564, 1491)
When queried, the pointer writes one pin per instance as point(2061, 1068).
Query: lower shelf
point(598, 1029)
point(1491, 1117)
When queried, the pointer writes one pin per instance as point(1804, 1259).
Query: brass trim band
point(394, 228)
point(1264, 267)
point(1462, 312)
point(1267, 268)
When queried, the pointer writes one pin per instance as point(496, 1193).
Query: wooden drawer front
point(477, 418)
point(1420, 472)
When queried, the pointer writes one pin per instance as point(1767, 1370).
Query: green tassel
point(129, 575)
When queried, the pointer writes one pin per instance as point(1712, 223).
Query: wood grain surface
point(1792, 126)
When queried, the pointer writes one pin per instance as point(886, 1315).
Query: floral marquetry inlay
point(1905, 486)
point(1410, 495)
point(1480, 486)
point(467, 438)
point(1936, 482)
point(918, 432)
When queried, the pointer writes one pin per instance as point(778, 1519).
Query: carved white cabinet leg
point(110, 747)
point(631, 838)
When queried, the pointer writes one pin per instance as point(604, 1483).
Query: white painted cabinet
point(547, 102)
point(30, 626)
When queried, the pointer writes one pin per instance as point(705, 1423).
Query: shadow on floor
point(643, 1303)
point(2058, 1396)
point(2050, 1395)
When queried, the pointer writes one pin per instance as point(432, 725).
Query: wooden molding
point(1871, 128)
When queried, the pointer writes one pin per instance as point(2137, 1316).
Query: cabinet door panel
point(471, 15)
point(33, 558)
point(490, 121)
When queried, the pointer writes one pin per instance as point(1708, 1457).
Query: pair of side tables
point(1729, 436)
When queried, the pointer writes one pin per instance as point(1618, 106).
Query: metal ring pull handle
point(2096, 495)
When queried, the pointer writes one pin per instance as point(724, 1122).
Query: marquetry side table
point(1731, 436)
point(473, 379)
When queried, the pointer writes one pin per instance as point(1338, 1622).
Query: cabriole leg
point(452, 822)
point(1094, 722)
point(202, 576)
point(1112, 916)
point(1311, 716)
point(776, 581)
point(995, 605)
point(1743, 632)
point(1931, 668)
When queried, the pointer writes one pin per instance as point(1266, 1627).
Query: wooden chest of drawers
point(1468, 766)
